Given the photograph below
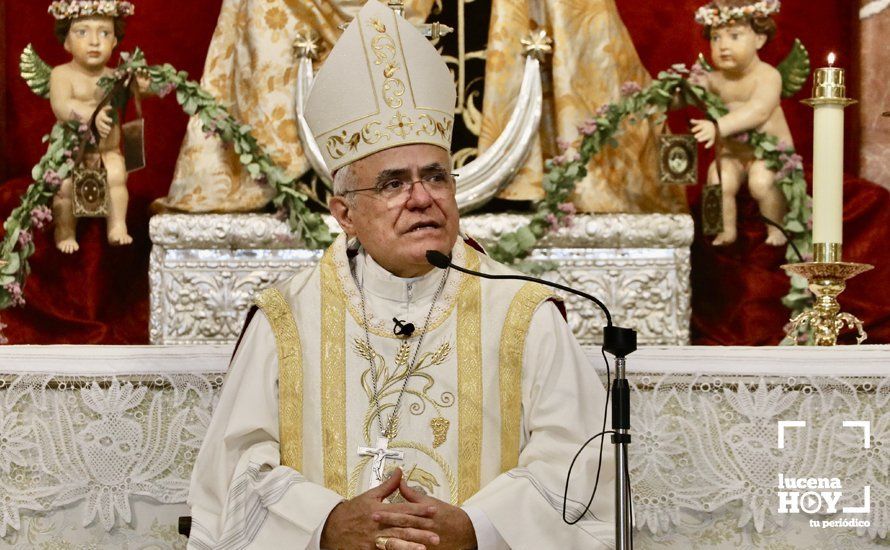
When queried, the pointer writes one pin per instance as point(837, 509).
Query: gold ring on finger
point(380, 542)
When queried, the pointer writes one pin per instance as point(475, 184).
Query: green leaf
point(14, 260)
point(794, 226)
point(526, 238)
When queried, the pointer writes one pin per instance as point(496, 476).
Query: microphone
point(402, 328)
point(442, 261)
point(619, 342)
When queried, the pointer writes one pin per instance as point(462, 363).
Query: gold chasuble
point(497, 399)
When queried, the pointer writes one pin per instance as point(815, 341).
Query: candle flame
point(831, 58)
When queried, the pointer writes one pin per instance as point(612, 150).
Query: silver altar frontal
point(206, 268)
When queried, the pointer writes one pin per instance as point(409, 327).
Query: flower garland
point(570, 166)
point(713, 15)
point(57, 164)
point(554, 211)
point(74, 9)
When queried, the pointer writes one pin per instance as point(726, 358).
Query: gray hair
point(344, 180)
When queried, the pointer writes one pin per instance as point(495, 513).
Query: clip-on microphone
point(402, 328)
point(619, 342)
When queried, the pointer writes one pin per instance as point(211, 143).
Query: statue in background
point(251, 69)
point(90, 31)
point(751, 90)
point(593, 55)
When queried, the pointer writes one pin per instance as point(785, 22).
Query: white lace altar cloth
point(97, 443)
point(705, 461)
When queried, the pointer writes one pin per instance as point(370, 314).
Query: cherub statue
point(751, 90)
point(89, 30)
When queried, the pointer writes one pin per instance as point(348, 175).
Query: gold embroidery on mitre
point(384, 48)
point(386, 51)
point(378, 25)
point(400, 124)
point(431, 127)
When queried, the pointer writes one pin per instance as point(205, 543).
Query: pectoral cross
point(380, 453)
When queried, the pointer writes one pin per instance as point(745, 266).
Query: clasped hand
point(419, 523)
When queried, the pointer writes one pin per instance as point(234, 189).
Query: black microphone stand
point(619, 342)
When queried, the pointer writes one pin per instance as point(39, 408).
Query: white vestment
point(499, 399)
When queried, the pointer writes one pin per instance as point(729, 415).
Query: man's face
point(91, 40)
point(734, 46)
point(397, 231)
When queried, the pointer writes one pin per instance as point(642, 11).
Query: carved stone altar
point(205, 269)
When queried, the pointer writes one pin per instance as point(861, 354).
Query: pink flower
point(790, 163)
point(166, 89)
point(697, 72)
point(52, 179)
point(678, 68)
point(567, 208)
point(603, 110)
point(630, 88)
point(15, 294)
point(784, 147)
point(568, 157)
point(553, 221)
point(588, 127)
point(563, 144)
point(25, 238)
point(742, 137)
point(41, 216)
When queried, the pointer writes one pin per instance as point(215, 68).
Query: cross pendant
point(380, 453)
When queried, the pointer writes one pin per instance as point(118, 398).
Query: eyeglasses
point(437, 184)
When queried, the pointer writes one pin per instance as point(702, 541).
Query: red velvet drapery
point(100, 295)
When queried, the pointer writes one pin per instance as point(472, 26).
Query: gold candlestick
point(827, 275)
point(826, 280)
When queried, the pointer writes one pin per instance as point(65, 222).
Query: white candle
point(828, 173)
point(828, 103)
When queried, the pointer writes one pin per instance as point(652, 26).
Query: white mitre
point(383, 85)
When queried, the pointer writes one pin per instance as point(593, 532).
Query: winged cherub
point(751, 90)
point(89, 30)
